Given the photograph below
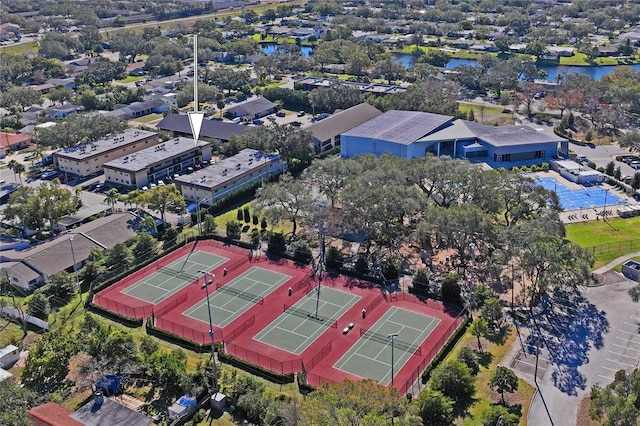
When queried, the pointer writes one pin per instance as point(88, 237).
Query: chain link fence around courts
point(123, 309)
point(415, 377)
point(264, 361)
point(187, 332)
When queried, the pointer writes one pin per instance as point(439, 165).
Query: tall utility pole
point(320, 206)
point(75, 267)
point(205, 285)
point(392, 336)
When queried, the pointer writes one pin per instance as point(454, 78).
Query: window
point(540, 154)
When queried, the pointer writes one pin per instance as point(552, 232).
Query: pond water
point(270, 48)
point(595, 72)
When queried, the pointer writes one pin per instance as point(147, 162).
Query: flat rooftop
point(155, 154)
point(106, 144)
point(227, 169)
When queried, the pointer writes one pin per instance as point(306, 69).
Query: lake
point(270, 48)
point(595, 72)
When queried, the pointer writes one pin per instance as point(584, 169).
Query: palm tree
point(149, 223)
point(112, 199)
point(18, 169)
point(12, 166)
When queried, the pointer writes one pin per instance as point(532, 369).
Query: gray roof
point(404, 127)
point(457, 130)
point(109, 413)
point(255, 106)
point(154, 154)
point(55, 256)
point(510, 135)
point(343, 121)
point(179, 124)
point(105, 144)
point(22, 270)
point(227, 169)
point(82, 214)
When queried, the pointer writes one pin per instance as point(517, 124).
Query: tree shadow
point(461, 407)
point(568, 326)
point(484, 358)
point(499, 337)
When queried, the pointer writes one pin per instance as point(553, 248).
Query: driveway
point(603, 155)
point(589, 336)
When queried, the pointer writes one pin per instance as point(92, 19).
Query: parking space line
point(621, 363)
point(626, 347)
point(633, 357)
point(607, 377)
point(610, 369)
point(628, 332)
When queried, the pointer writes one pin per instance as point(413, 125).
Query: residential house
point(253, 109)
point(9, 30)
point(14, 141)
point(68, 82)
point(9, 355)
point(63, 110)
point(42, 88)
point(157, 163)
point(30, 268)
point(140, 109)
point(325, 134)
point(178, 125)
point(52, 414)
point(88, 158)
point(410, 134)
point(218, 180)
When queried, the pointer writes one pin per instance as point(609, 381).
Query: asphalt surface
point(589, 337)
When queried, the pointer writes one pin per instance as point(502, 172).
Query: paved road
point(598, 344)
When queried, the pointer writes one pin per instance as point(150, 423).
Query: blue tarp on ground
point(110, 384)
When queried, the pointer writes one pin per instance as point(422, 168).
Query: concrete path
point(619, 349)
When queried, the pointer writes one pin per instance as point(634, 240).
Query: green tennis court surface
point(298, 326)
point(234, 298)
point(173, 277)
point(370, 357)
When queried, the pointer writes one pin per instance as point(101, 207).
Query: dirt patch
point(583, 418)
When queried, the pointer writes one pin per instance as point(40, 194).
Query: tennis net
point(329, 322)
point(381, 338)
point(178, 274)
point(241, 294)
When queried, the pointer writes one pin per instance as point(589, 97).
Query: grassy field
point(483, 400)
point(492, 114)
point(129, 79)
point(623, 235)
point(19, 49)
point(231, 215)
point(619, 267)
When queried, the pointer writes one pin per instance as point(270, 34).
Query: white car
point(160, 183)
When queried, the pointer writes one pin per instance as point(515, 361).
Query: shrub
point(277, 243)
point(421, 282)
point(362, 265)
point(334, 258)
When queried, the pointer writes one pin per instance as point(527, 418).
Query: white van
point(236, 120)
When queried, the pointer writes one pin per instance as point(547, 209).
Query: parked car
point(257, 122)
point(296, 123)
point(280, 114)
point(50, 175)
point(300, 114)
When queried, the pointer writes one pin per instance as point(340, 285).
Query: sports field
point(300, 325)
point(171, 278)
point(371, 356)
point(230, 300)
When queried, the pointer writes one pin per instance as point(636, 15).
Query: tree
point(21, 97)
point(234, 230)
point(78, 128)
point(497, 414)
point(351, 403)
point(90, 38)
point(209, 226)
point(145, 247)
point(336, 96)
point(288, 199)
point(389, 69)
point(129, 44)
point(163, 198)
point(61, 285)
point(60, 95)
point(492, 312)
point(119, 256)
point(48, 362)
point(470, 359)
point(434, 408)
point(16, 400)
point(436, 58)
point(112, 199)
point(618, 403)
point(479, 329)
point(454, 380)
point(38, 305)
point(503, 380)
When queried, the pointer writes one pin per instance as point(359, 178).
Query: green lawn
point(19, 49)
point(619, 267)
point(148, 118)
point(129, 79)
point(614, 231)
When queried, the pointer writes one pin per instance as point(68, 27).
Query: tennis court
point(370, 357)
point(583, 198)
point(299, 325)
point(171, 278)
point(230, 300)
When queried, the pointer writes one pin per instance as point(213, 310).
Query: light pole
point(472, 247)
point(392, 336)
point(320, 206)
point(75, 268)
point(205, 285)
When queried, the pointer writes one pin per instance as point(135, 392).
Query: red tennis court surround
point(318, 358)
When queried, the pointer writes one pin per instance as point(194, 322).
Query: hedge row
point(255, 369)
point(178, 340)
point(440, 356)
point(114, 316)
point(572, 140)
